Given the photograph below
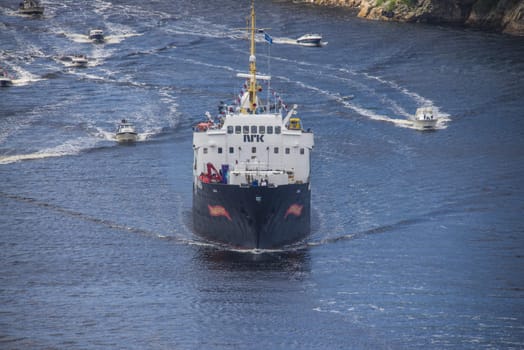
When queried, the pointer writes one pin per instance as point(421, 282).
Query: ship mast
point(252, 64)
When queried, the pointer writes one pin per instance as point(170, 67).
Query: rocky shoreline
point(505, 16)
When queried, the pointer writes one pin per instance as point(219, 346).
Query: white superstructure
point(262, 147)
point(251, 169)
point(425, 119)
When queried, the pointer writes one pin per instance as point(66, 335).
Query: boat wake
point(388, 96)
point(359, 234)
point(396, 115)
point(118, 38)
point(72, 213)
point(97, 137)
point(109, 39)
point(364, 82)
point(406, 120)
point(24, 77)
point(408, 123)
point(69, 148)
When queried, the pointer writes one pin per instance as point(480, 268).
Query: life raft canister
point(294, 124)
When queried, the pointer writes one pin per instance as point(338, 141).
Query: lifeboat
point(203, 126)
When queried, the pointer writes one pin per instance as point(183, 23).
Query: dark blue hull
point(254, 217)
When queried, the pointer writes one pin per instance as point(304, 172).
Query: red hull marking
point(294, 209)
point(218, 210)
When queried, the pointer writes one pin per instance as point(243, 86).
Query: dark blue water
point(417, 237)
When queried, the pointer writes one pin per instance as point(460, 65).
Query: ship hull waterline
point(252, 217)
point(126, 137)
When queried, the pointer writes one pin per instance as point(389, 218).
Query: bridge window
point(219, 150)
point(275, 150)
point(253, 150)
point(261, 129)
point(205, 150)
point(253, 129)
point(287, 150)
point(231, 150)
point(245, 129)
point(269, 129)
point(230, 129)
point(301, 151)
point(277, 129)
point(237, 129)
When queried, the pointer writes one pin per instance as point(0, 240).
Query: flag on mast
point(268, 38)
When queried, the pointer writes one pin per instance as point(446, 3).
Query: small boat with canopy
point(30, 7)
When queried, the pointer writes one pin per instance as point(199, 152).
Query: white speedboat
point(310, 40)
point(424, 119)
point(30, 7)
point(126, 132)
point(97, 35)
point(5, 79)
point(79, 61)
point(76, 60)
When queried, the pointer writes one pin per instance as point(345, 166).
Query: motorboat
point(79, 61)
point(5, 79)
point(424, 119)
point(310, 40)
point(97, 35)
point(30, 7)
point(126, 132)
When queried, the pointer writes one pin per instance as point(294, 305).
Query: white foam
point(420, 99)
point(387, 102)
point(87, 75)
point(78, 38)
point(355, 107)
point(71, 147)
point(117, 38)
point(109, 39)
point(173, 115)
point(101, 7)
point(24, 77)
point(104, 134)
point(393, 105)
point(21, 157)
point(10, 125)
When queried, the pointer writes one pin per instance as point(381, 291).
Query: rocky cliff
point(506, 16)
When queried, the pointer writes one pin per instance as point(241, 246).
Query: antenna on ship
point(252, 64)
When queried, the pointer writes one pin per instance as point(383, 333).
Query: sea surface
point(418, 237)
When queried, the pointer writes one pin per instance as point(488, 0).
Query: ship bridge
point(260, 147)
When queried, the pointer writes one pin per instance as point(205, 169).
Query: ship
point(251, 168)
